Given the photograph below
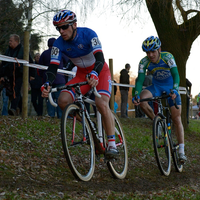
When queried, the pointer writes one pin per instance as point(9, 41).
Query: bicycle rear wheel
point(119, 167)
point(174, 150)
point(161, 146)
point(79, 154)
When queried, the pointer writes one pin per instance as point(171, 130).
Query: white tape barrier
point(60, 71)
point(182, 90)
point(16, 60)
point(11, 59)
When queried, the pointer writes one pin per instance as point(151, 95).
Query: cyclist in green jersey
point(163, 67)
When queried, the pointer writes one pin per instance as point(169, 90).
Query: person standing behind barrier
point(5, 98)
point(59, 80)
point(188, 96)
point(124, 79)
point(36, 94)
point(13, 72)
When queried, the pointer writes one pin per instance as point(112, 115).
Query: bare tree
point(178, 25)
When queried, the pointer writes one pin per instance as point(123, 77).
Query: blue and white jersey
point(80, 50)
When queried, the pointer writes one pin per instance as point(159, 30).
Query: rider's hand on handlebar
point(173, 94)
point(92, 78)
point(45, 88)
point(136, 100)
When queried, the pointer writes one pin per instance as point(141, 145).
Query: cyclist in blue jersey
point(83, 48)
point(163, 67)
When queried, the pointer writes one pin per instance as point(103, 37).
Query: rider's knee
point(62, 102)
point(103, 107)
point(176, 120)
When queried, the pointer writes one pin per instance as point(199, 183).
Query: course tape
point(182, 90)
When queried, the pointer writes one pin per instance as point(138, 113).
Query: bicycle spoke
point(173, 138)
point(79, 153)
point(161, 146)
point(119, 166)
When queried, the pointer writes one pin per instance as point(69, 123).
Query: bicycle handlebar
point(160, 97)
point(69, 87)
point(52, 102)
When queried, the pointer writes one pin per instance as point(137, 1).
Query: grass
point(32, 165)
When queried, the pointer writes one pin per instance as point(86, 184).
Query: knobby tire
point(80, 155)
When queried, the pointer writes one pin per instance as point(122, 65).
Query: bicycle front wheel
point(119, 167)
point(175, 149)
point(161, 146)
point(79, 154)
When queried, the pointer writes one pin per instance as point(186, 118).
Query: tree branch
point(183, 12)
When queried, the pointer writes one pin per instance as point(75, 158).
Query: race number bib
point(54, 52)
point(95, 42)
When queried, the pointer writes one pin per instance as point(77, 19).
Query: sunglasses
point(64, 27)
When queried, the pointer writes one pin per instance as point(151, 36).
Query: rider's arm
point(139, 83)
point(141, 75)
point(99, 62)
point(176, 78)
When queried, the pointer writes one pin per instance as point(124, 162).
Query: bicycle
point(164, 139)
point(84, 139)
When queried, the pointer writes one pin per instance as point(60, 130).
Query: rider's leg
point(108, 123)
point(146, 108)
point(176, 117)
point(107, 117)
point(64, 99)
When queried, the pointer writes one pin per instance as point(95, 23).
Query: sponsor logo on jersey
point(141, 68)
point(80, 46)
point(171, 63)
point(162, 75)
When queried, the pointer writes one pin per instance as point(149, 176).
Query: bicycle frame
point(79, 98)
point(99, 121)
point(164, 121)
point(80, 135)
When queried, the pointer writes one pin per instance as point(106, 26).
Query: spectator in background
point(36, 82)
point(115, 92)
point(5, 98)
point(198, 101)
point(124, 79)
point(59, 80)
point(13, 72)
point(115, 88)
point(188, 96)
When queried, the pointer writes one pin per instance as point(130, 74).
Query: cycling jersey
point(85, 52)
point(80, 50)
point(165, 73)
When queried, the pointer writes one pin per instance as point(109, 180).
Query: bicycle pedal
point(109, 158)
